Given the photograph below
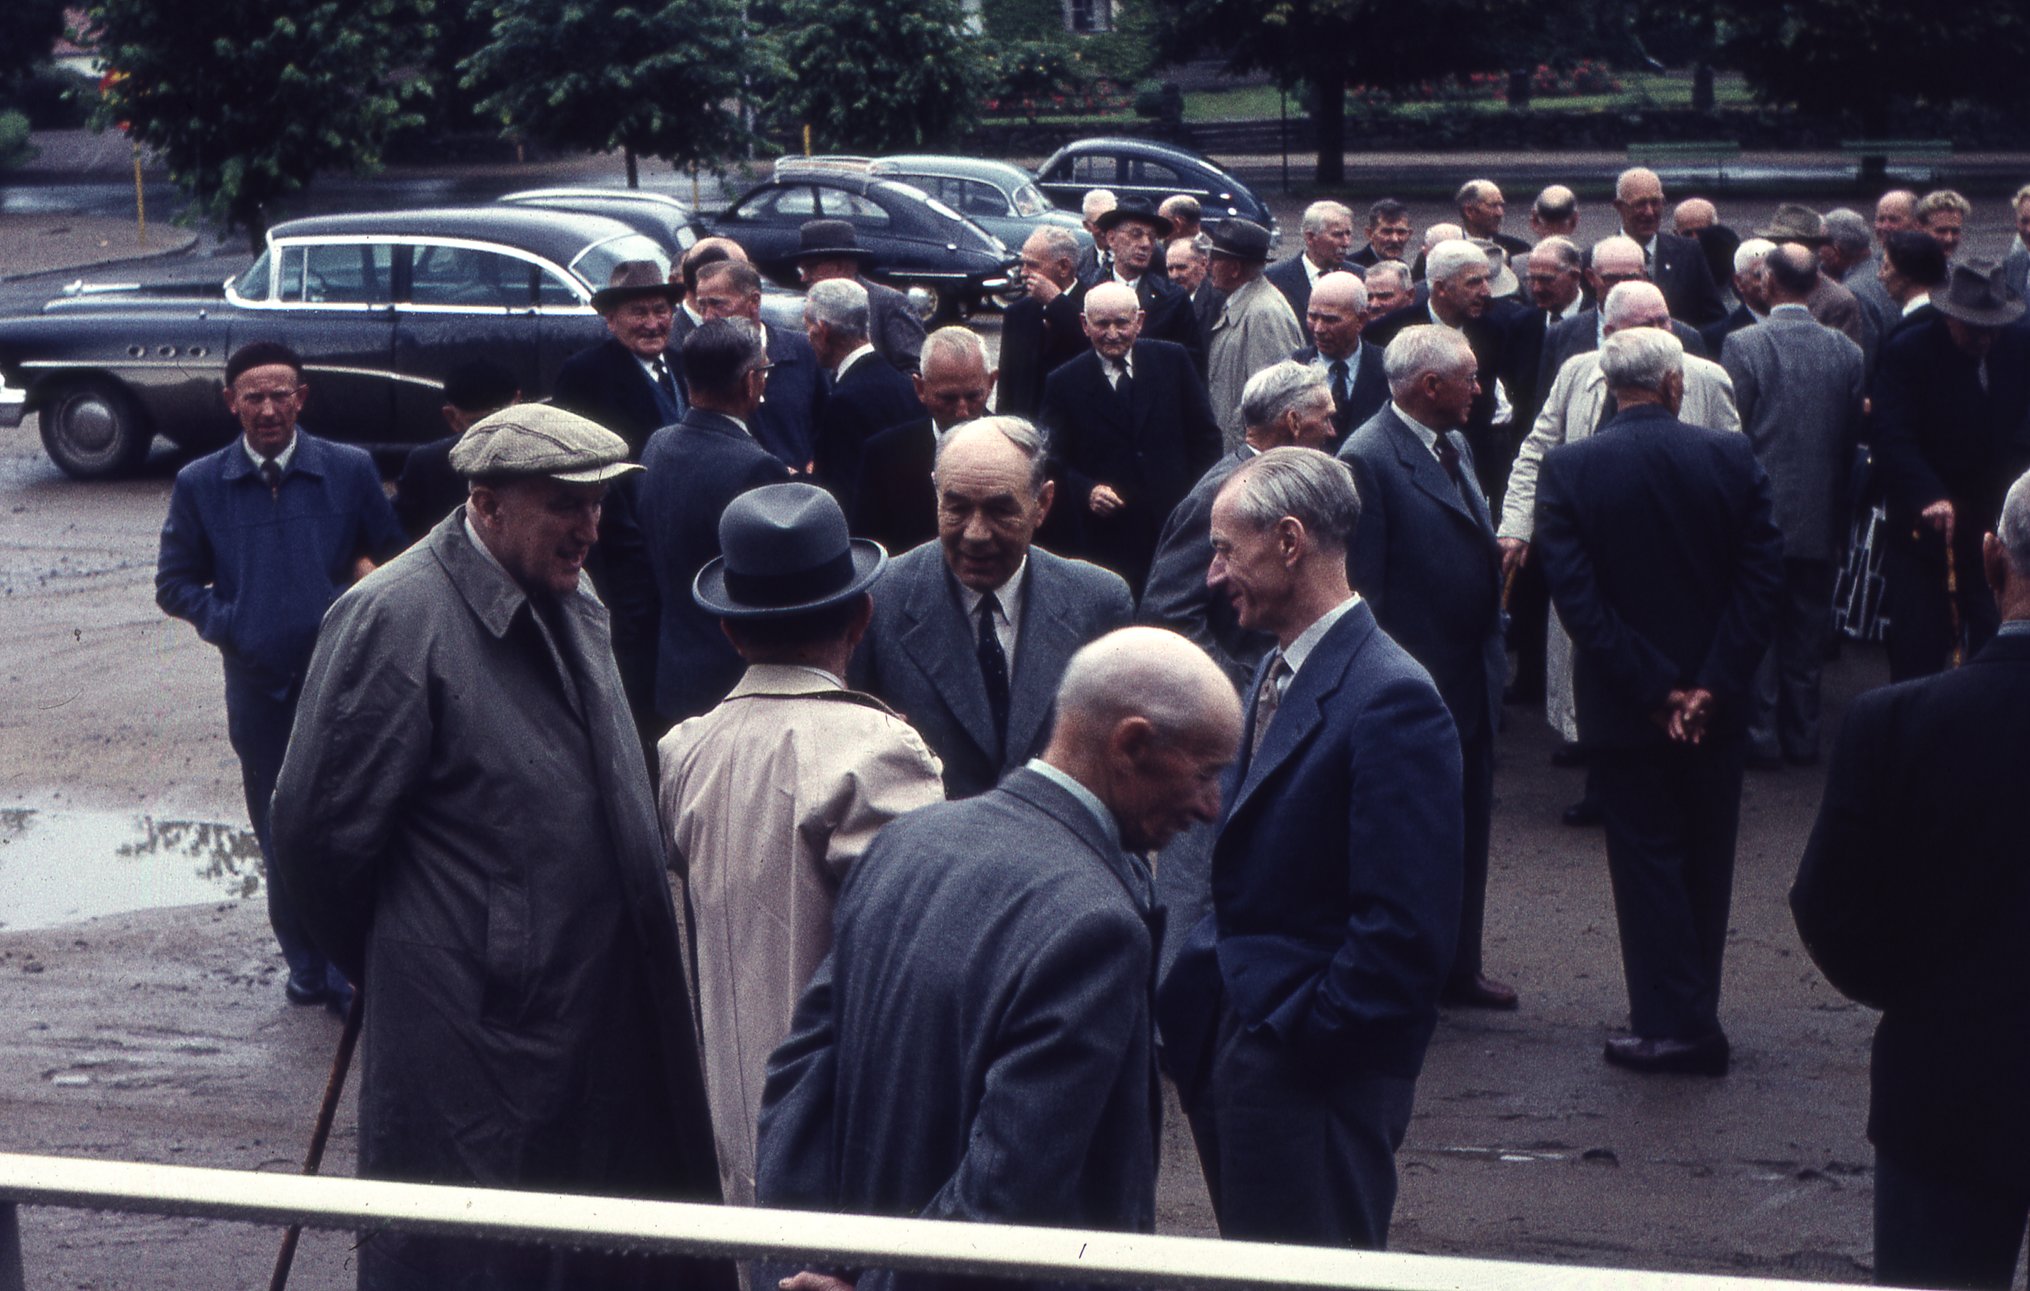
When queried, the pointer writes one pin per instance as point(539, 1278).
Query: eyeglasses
point(262, 398)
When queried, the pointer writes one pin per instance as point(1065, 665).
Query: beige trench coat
point(1571, 413)
point(1256, 329)
point(766, 801)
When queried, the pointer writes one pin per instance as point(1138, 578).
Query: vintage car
point(380, 305)
point(999, 197)
point(950, 265)
point(1145, 168)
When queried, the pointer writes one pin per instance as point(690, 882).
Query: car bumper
point(13, 406)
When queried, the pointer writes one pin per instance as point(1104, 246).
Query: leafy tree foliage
point(877, 75)
point(27, 30)
point(248, 100)
point(657, 78)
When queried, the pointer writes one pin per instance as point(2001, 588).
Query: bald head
point(1615, 260)
point(1638, 200)
point(1555, 213)
point(1693, 214)
point(1146, 721)
point(1895, 212)
point(1635, 304)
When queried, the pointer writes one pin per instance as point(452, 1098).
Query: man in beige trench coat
point(770, 797)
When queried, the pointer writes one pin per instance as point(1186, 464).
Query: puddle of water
point(62, 866)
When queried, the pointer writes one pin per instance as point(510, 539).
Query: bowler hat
point(786, 552)
point(634, 280)
point(529, 439)
point(1979, 294)
point(1134, 208)
point(1501, 280)
point(1243, 240)
point(830, 240)
point(1794, 222)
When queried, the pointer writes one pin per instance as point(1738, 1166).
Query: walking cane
point(1952, 603)
point(326, 1113)
point(1508, 586)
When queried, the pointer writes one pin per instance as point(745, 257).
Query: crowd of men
point(1001, 760)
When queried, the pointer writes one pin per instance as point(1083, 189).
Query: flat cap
point(529, 439)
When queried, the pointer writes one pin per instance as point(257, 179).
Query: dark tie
point(1448, 457)
point(271, 475)
point(994, 667)
point(1341, 392)
point(1268, 698)
point(667, 382)
point(1125, 386)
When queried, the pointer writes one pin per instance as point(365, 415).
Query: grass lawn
point(1639, 90)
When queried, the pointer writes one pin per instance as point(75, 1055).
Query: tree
point(878, 75)
point(658, 78)
point(246, 100)
point(28, 28)
point(1331, 44)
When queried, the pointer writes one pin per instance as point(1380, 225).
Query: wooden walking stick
point(334, 1086)
point(1952, 604)
point(1508, 586)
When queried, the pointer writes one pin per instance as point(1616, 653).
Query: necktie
point(1340, 390)
point(664, 379)
point(1268, 698)
point(1124, 384)
point(993, 666)
point(271, 475)
point(1448, 457)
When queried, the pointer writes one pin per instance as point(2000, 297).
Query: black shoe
point(1583, 814)
point(1480, 992)
point(298, 993)
point(339, 999)
point(1706, 1056)
point(1570, 754)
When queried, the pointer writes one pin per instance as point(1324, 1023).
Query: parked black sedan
point(917, 241)
point(1145, 168)
point(381, 306)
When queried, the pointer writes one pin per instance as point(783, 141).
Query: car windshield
point(594, 265)
point(1029, 200)
point(253, 283)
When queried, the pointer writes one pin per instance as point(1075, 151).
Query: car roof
point(999, 172)
point(592, 193)
point(1132, 144)
point(557, 235)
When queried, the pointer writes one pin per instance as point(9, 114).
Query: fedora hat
point(1243, 240)
point(786, 552)
point(1978, 294)
point(636, 280)
point(1501, 280)
point(830, 240)
point(1794, 222)
point(1134, 208)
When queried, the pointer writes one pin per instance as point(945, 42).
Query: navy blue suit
point(1425, 559)
point(606, 383)
point(1370, 386)
point(1665, 564)
point(694, 469)
point(870, 398)
point(1296, 1015)
point(786, 423)
point(254, 572)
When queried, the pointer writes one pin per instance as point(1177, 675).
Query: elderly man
point(972, 633)
point(1481, 209)
point(1296, 1016)
point(1698, 219)
point(770, 799)
point(1799, 387)
point(1327, 230)
point(1576, 406)
point(893, 502)
point(785, 423)
point(1751, 289)
point(1831, 304)
point(1944, 214)
point(1427, 564)
point(1185, 215)
point(1950, 398)
point(1388, 234)
point(1130, 430)
point(1189, 263)
point(695, 468)
point(1389, 288)
point(1095, 261)
point(1555, 274)
point(1910, 901)
point(979, 1046)
point(467, 829)
point(1133, 232)
point(254, 575)
point(1676, 265)
point(866, 397)
point(1288, 405)
point(627, 382)
point(2016, 264)
point(1665, 565)
point(1895, 212)
point(1615, 261)
point(1458, 274)
point(1041, 332)
point(1352, 371)
point(830, 251)
point(1255, 326)
point(1555, 213)
point(701, 253)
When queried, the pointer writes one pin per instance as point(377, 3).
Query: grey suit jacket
point(1798, 385)
point(919, 657)
point(1176, 596)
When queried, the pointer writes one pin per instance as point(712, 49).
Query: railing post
point(11, 1278)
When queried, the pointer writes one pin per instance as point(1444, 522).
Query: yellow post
point(140, 206)
point(694, 185)
point(807, 138)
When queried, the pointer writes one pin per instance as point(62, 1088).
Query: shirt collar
point(2014, 628)
point(1307, 640)
point(1008, 593)
point(697, 319)
point(1086, 798)
point(1790, 310)
point(847, 363)
point(1916, 303)
point(1423, 432)
point(282, 459)
point(1323, 361)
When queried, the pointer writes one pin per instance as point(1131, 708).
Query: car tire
point(94, 429)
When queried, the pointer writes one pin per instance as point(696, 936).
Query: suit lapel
point(1301, 712)
point(940, 642)
point(1044, 635)
point(1425, 471)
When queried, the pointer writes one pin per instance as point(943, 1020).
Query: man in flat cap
point(1255, 327)
point(769, 799)
point(465, 824)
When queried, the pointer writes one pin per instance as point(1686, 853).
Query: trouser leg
point(258, 724)
point(1478, 755)
point(1935, 1230)
point(1802, 634)
point(1648, 853)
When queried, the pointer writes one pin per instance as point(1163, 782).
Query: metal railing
point(777, 1236)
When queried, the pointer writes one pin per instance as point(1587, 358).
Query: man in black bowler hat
point(830, 249)
point(1132, 231)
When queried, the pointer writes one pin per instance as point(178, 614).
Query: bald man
point(1675, 264)
point(981, 1039)
point(1615, 261)
point(1698, 219)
